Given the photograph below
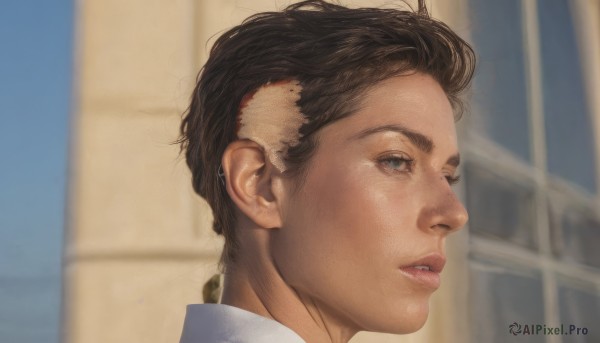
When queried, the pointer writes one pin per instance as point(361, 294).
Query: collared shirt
point(218, 323)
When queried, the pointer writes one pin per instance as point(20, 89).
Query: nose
point(442, 210)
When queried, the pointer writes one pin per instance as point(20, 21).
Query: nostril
point(443, 226)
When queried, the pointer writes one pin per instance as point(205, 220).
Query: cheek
point(347, 219)
point(351, 211)
point(328, 225)
point(371, 213)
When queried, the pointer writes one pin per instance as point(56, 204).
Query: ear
point(249, 179)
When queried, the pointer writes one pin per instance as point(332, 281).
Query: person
point(323, 138)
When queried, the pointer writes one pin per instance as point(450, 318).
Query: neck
point(254, 284)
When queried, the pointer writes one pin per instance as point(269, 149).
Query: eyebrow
point(421, 141)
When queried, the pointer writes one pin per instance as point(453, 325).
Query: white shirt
point(218, 323)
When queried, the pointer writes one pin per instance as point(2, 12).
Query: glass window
point(506, 224)
point(575, 231)
point(581, 308)
point(498, 207)
point(499, 87)
point(502, 296)
point(569, 137)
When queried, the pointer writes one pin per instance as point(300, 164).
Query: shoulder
point(212, 323)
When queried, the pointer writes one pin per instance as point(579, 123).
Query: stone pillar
point(139, 244)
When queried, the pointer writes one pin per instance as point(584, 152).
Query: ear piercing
point(221, 174)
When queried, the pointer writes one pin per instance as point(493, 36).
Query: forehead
point(415, 101)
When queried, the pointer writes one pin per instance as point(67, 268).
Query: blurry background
point(103, 240)
point(36, 71)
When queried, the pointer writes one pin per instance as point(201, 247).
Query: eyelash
point(408, 161)
point(452, 180)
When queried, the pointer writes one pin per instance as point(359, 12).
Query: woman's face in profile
point(359, 236)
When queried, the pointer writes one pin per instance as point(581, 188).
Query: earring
point(221, 174)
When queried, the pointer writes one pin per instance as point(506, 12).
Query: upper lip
point(435, 261)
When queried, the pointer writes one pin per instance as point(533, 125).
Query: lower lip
point(426, 278)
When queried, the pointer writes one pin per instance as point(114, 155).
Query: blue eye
point(397, 163)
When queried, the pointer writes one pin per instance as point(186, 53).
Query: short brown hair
point(336, 53)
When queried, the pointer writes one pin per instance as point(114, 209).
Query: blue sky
point(35, 98)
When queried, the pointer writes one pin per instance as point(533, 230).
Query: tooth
point(422, 267)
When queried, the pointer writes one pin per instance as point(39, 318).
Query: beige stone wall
point(139, 244)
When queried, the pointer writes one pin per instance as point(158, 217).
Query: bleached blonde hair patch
point(272, 119)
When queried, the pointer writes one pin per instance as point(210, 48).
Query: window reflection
point(500, 208)
point(569, 138)
point(499, 88)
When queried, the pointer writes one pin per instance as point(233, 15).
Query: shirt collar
point(212, 323)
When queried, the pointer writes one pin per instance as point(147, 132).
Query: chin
point(403, 318)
